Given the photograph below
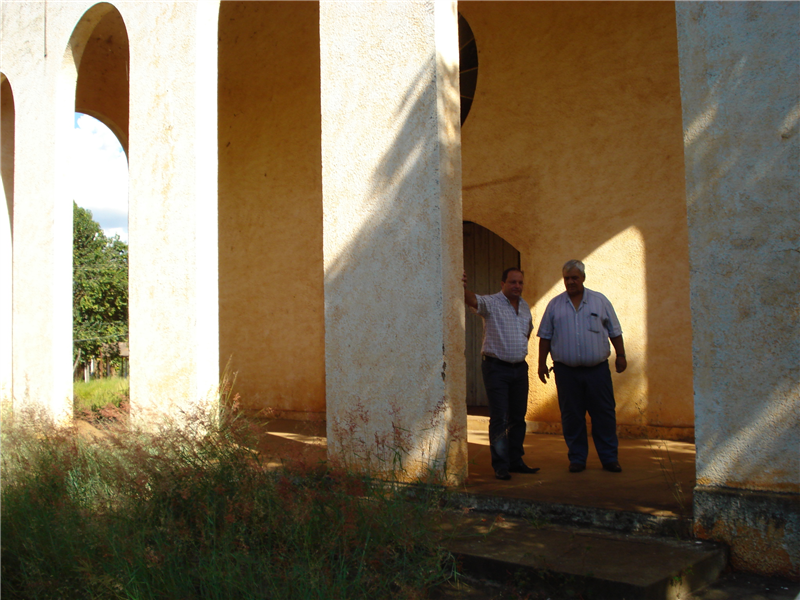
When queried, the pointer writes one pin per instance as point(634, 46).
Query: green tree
point(99, 290)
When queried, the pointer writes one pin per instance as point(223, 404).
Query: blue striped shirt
point(505, 331)
point(579, 338)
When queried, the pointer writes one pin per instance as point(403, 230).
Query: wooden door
point(486, 256)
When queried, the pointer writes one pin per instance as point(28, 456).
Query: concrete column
point(6, 219)
point(44, 76)
point(741, 108)
point(174, 339)
point(392, 237)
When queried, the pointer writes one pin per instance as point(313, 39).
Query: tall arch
point(559, 157)
point(102, 89)
point(7, 124)
point(86, 58)
point(102, 92)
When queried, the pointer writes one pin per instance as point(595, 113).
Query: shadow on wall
point(387, 270)
point(744, 215)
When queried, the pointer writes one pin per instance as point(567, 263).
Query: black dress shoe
point(614, 467)
point(576, 467)
point(502, 474)
point(523, 468)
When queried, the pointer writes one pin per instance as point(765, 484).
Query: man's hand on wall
point(469, 297)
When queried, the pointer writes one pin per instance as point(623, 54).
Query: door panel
point(486, 256)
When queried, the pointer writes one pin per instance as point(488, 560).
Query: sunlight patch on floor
point(299, 437)
point(478, 437)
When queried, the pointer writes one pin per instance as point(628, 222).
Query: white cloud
point(100, 175)
point(122, 232)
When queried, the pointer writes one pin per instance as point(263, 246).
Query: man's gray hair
point(573, 264)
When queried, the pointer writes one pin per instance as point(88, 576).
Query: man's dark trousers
point(582, 389)
point(507, 390)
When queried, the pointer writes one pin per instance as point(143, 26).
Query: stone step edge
point(571, 515)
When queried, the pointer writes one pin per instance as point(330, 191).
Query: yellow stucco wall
point(573, 149)
point(270, 205)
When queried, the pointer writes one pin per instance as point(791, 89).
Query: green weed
point(98, 393)
point(193, 513)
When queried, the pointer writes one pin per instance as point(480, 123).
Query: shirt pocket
point(595, 323)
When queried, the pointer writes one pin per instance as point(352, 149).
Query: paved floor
point(657, 479)
point(731, 586)
point(657, 476)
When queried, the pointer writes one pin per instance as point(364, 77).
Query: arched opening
point(7, 117)
point(99, 184)
point(574, 149)
point(271, 303)
point(467, 66)
point(100, 269)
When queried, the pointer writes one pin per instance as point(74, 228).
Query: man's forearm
point(619, 345)
point(470, 299)
point(544, 350)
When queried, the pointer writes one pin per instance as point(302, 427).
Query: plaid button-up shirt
point(505, 331)
point(579, 338)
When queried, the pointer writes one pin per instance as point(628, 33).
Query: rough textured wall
point(392, 238)
point(740, 64)
point(573, 149)
point(6, 219)
point(42, 64)
point(174, 312)
point(739, 73)
point(270, 202)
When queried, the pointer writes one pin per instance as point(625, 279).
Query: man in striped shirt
point(507, 327)
point(575, 330)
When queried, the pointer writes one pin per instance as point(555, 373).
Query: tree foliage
point(99, 290)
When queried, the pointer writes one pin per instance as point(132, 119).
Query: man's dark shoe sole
point(503, 475)
point(576, 467)
point(614, 467)
point(524, 469)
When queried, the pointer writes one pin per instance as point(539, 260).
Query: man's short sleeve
point(546, 325)
point(612, 322)
point(483, 305)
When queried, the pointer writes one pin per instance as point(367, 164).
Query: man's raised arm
point(469, 297)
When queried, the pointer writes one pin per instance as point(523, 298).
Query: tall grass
point(98, 393)
point(180, 515)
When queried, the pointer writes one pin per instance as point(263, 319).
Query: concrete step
point(580, 563)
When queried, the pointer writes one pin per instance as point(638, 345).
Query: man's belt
point(585, 367)
point(492, 359)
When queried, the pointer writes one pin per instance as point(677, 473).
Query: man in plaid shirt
point(507, 327)
point(576, 328)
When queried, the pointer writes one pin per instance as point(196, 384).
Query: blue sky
point(100, 175)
